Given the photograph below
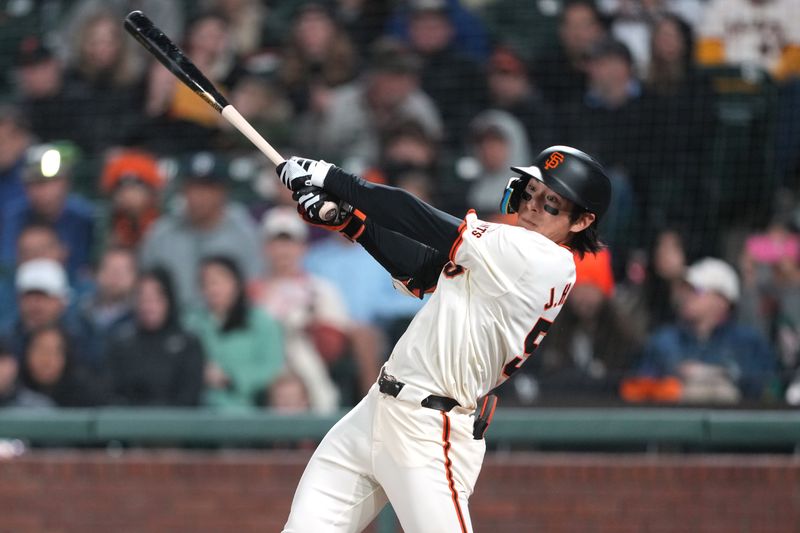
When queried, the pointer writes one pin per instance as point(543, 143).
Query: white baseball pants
point(424, 461)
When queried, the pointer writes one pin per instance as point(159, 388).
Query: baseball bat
point(168, 54)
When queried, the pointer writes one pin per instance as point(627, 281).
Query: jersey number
point(531, 343)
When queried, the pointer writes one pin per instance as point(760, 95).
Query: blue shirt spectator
point(48, 200)
point(716, 359)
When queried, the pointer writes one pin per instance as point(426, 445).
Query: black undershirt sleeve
point(396, 210)
point(414, 263)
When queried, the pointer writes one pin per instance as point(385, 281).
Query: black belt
point(389, 385)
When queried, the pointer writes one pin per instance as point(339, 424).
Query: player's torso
point(467, 339)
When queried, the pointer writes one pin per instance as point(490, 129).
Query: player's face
point(547, 212)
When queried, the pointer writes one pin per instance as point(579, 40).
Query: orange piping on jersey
point(459, 239)
point(448, 472)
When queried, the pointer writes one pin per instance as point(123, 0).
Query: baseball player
point(416, 437)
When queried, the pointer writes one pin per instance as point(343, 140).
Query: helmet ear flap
point(513, 195)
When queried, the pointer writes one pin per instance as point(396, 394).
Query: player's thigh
point(337, 491)
point(431, 496)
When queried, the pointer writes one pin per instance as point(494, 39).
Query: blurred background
point(174, 340)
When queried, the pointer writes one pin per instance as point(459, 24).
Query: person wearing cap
point(496, 139)
point(310, 309)
point(133, 181)
point(48, 200)
point(716, 359)
point(43, 297)
point(207, 224)
point(353, 119)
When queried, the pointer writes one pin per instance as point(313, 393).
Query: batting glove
point(348, 221)
point(298, 172)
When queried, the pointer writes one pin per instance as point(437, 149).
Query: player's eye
point(526, 196)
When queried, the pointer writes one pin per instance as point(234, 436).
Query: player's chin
point(525, 223)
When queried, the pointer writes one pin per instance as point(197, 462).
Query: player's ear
point(583, 221)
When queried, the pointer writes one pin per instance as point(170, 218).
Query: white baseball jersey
point(493, 304)
point(753, 33)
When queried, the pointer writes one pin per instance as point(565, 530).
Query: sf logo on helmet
point(555, 159)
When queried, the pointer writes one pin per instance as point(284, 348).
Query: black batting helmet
point(571, 173)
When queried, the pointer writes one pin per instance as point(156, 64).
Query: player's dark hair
point(586, 241)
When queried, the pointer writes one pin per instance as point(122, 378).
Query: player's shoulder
point(524, 241)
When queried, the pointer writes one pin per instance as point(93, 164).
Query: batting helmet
point(571, 173)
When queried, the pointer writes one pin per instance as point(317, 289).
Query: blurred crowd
point(148, 256)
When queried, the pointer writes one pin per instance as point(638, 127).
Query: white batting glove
point(299, 172)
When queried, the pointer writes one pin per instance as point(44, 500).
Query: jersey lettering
point(532, 342)
point(480, 230)
point(552, 303)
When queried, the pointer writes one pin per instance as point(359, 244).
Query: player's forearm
point(395, 210)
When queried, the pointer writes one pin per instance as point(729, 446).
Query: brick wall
point(198, 492)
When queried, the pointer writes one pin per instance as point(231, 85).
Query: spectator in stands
point(319, 53)
point(42, 298)
point(262, 101)
point(755, 32)
point(529, 28)
point(364, 20)
point(770, 267)
point(716, 359)
point(109, 308)
point(133, 182)
point(156, 362)
point(470, 35)
point(633, 23)
point(613, 121)
point(102, 83)
point(48, 200)
point(12, 392)
point(348, 125)
point(247, 19)
point(288, 395)
point(454, 81)
point(310, 309)
point(562, 75)
point(50, 367)
point(376, 309)
point(511, 89)
point(591, 346)
point(183, 121)
point(653, 281)
point(683, 125)
point(244, 346)
point(209, 224)
point(497, 141)
point(39, 241)
point(15, 137)
point(40, 82)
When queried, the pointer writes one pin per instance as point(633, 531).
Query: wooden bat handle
point(328, 210)
point(240, 123)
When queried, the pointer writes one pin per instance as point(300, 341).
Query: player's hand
point(298, 172)
point(348, 220)
point(310, 200)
